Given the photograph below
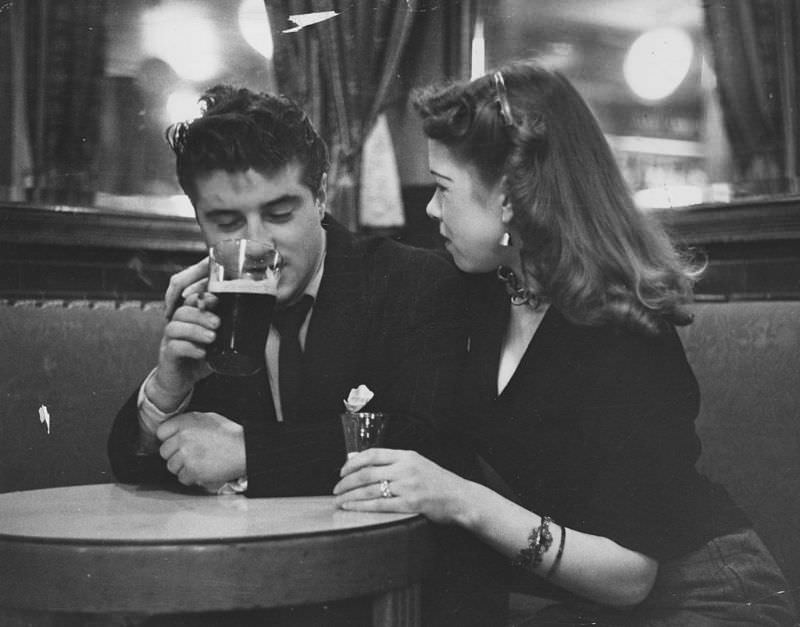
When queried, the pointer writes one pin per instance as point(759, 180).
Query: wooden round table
point(123, 549)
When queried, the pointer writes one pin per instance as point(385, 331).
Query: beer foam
point(268, 285)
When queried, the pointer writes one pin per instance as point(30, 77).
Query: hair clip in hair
point(501, 98)
point(519, 294)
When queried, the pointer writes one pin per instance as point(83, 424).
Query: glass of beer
point(243, 275)
point(363, 430)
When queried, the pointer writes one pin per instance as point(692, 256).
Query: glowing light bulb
point(657, 62)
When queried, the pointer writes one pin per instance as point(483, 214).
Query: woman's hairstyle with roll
point(585, 246)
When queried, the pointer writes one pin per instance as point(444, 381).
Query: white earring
point(505, 239)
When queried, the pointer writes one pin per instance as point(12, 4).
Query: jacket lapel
point(338, 328)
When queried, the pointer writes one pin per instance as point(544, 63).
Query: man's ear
point(322, 195)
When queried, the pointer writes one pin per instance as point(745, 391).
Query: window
point(94, 83)
point(695, 97)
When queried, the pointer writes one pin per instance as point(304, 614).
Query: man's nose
point(257, 230)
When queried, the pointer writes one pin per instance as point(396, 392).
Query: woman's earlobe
point(506, 210)
point(506, 213)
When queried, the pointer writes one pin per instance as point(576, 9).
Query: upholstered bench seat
point(746, 356)
point(82, 359)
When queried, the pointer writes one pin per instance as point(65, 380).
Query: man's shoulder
point(383, 252)
point(388, 254)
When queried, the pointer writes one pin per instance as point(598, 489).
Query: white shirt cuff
point(151, 417)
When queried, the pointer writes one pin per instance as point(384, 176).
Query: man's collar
point(312, 289)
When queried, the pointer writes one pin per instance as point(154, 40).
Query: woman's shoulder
point(623, 337)
point(620, 350)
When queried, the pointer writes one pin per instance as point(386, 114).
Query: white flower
point(358, 397)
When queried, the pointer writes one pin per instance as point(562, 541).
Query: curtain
point(16, 161)
point(343, 71)
point(756, 67)
point(64, 66)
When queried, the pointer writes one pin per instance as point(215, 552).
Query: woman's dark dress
point(596, 430)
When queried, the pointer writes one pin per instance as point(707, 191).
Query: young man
point(382, 314)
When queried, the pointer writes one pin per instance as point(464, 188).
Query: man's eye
point(228, 224)
point(440, 188)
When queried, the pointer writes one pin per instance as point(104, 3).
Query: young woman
point(577, 391)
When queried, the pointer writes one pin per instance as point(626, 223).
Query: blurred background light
point(478, 52)
point(558, 55)
point(182, 105)
point(668, 197)
point(657, 62)
point(181, 34)
point(254, 25)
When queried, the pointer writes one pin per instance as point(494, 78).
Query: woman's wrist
point(469, 503)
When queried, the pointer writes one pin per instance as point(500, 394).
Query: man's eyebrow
point(441, 176)
point(217, 212)
point(290, 198)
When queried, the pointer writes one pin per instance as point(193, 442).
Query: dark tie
point(290, 356)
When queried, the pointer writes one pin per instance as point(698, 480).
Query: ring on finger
point(386, 490)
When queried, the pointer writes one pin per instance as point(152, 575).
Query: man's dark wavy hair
point(241, 129)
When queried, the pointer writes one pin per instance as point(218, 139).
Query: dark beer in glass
point(243, 275)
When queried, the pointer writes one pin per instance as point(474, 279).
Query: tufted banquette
point(80, 360)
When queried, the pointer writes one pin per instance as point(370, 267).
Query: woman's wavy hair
point(585, 246)
point(241, 129)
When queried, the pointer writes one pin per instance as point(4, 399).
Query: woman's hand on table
point(415, 485)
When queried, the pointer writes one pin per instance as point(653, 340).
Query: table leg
point(398, 608)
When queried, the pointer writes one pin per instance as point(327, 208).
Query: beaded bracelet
point(539, 540)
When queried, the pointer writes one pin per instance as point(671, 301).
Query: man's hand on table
point(203, 448)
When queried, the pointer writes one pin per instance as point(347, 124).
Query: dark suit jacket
point(386, 315)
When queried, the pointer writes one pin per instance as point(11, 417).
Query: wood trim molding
point(759, 220)
point(22, 223)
